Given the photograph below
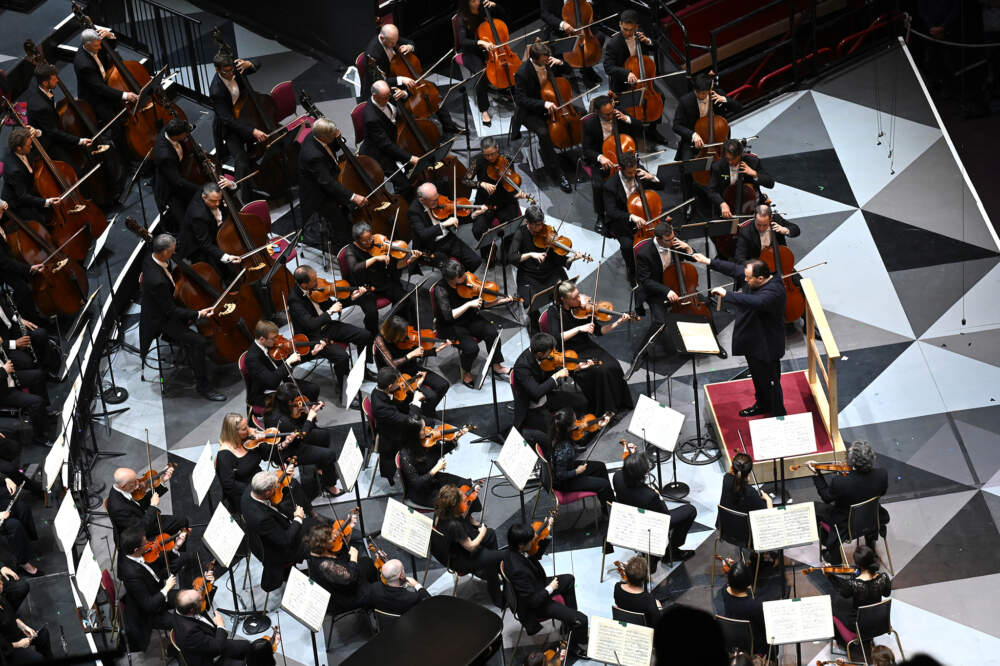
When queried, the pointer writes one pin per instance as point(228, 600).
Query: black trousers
point(466, 330)
point(434, 387)
point(485, 564)
point(314, 450)
point(47, 354)
point(393, 291)
point(474, 62)
point(597, 187)
point(535, 427)
point(527, 287)
point(507, 209)
point(594, 478)
point(339, 331)
point(451, 246)
point(335, 222)
point(540, 127)
point(241, 165)
point(766, 376)
point(572, 619)
point(196, 346)
point(628, 255)
point(30, 402)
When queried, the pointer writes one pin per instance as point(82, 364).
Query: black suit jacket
point(380, 138)
point(748, 240)
point(202, 643)
point(528, 91)
point(278, 533)
point(160, 313)
point(759, 329)
point(391, 420)
point(19, 189)
point(649, 271)
point(125, 513)
point(615, 55)
point(197, 237)
point(687, 114)
point(263, 374)
point(642, 497)
point(720, 178)
point(530, 384)
point(91, 88)
point(318, 174)
point(144, 604)
point(42, 115)
point(226, 124)
point(10, 265)
point(168, 183)
point(426, 231)
point(844, 490)
point(528, 579)
point(303, 314)
point(395, 600)
point(616, 215)
point(593, 135)
point(375, 51)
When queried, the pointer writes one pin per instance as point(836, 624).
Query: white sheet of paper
point(54, 459)
point(657, 424)
point(70, 404)
point(798, 620)
point(517, 459)
point(223, 536)
point(305, 600)
point(698, 337)
point(203, 474)
point(639, 529)
point(784, 526)
point(355, 378)
point(407, 528)
point(783, 436)
point(350, 461)
point(67, 523)
point(88, 576)
point(615, 642)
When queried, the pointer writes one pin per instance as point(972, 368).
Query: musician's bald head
point(188, 602)
point(428, 193)
point(163, 243)
point(124, 476)
point(389, 34)
point(393, 573)
point(324, 130)
point(380, 92)
point(89, 37)
point(303, 274)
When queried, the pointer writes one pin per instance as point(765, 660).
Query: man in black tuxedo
point(18, 179)
point(393, 420)
point(15, 273)
point(202, 218)
point(319, 190)
point(536, 392)
point(42, 115)
point(737, 165)
point(91, 65)
point(553, 27)
point(279, 534)
point(596, 129)
point(753, 238)
point(381, 49)
point(533, 112)
point(504, 204)
point(161, 315)
point(126, 512)
point(232, 135)
point(439, 238)
point(617, 51)
point(691, 107)
point(171, 189)
point(203, 641)
point(264, 374)
point(381, 120)
point(759, 329)
point(396, 593)
point(620, 224)
point(377, 275)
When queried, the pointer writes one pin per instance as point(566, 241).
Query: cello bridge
point(79, 208)
point(59, 265)
point(227, 309)
point(383, 205)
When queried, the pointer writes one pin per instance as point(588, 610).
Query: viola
point(542, 529)
point(283, 347)
point(151, 477)
point(284, 476)
point(650, 105)
point(162, 543)
point(379, 556)
point(433, 435)
point(425, 98)
point(300, 404)
point(621, 570)
point(727, 563)
point(501, 61)
point(273, 640)
point(547, 238)
point(405, 385)
point(468, 494)
point(399, 249)
point(840, 468)
point(779, 257)
point(564, 125)
point(203, 585)
point(628, 448)
point(446, 208)
point(586, 51)
point(341, 530)
point(602, 311)
point(490, 292)
point(586, 424)
point(270, 437)
point(570, 360)
point(427, 340)
point(841, 569)
point(557, 657)
point(503, 175)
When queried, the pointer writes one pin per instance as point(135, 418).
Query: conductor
point(759, 330)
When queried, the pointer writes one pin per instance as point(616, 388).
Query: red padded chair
point(259, 208)
point(284, 100)
point(361, 64)
point(305, 129)
point(380, 301)
point(564, 498)
point(543, 322)
point(357, 119)
point(454, 36)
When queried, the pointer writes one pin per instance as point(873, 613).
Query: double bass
point(650, 105)
point(586, 51)
point(501, 61)
point(143, 124)
point(425, 98)
point(564, 121)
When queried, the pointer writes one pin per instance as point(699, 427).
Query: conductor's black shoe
point(210, 394)
point(723, 353)
point(680, 555)
point(752, 410)
point(564, 184)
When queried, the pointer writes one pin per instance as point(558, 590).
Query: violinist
point(15, 274)
point(596, 129)
point(533, 111)
point(91, 66)
point(202, 219)
point(474, 50)
point(554, 28)
point(42, 115)
point(439, 238)
point(382, 48)
point(379, 272)
point(315, 319)
point(866, 587)
point(537, 393)
point(471, 546)
point(631, 488)
point(202, 640)
point(264, 374)
point(736, 494)
point(604, 383)
point(739, 603)
point(537, 269)
point(381, 122)
point(18, 178)
point(395, 592)
point(392, 335)
point(617, 51)
point(863, 482)
point(631, 593)
point(422, 469)
point(692, 107)
point(278, 530)
point(490, 193)
point(231, 134)
point(620, 223)
point(125, 510)
point(346, 573)
point(320, 190)
point(394, 420)
point(737, 165)
point(568, 473)
point(459, 319)
point(161, 315)
point(171, 188)
point(535, 590)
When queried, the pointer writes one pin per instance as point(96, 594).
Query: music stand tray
point(700, 449)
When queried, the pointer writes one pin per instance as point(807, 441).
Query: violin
point(588, 423)
point(326, 290)
point(586, 51)
point(341, 530)
point(841, 468)
point(501, 61)
point(446, 208)
point(570, 360)
point(557, 657)
point(269, 437)
point(542, 529)
point(841, 569)
point(503, 175)
point(780, 256)
point(620, 566)
point(432, 435)
point(273, 640)
point(283, 347)
point(405, 385)
point(300, 404)
point(650, 105)
point(628, 448)
point(565, 129)
point(490, 292)
point(728, 562)
point(379, 556)
point(284, 476)
point(547, 238)
point(203, 585)
point(161, 544)
point(427, 340)
point(151, 477)
point(602, 311)
point(616, 144)
point(468, 495)
point(400, 249)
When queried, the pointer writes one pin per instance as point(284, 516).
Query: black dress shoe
point(515, 133)
point(564, 184)
point(752, 410)
point(211, 394)
point(680, 555)
point(599, 225)
point(52, 411)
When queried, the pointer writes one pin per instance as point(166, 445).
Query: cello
point(682, 277)
point(501, 61)
point(586, 51)
point(142, 124)
point(714, 131)
point(615, 146)
point(648, 206)
point(742, 200)
point(780, 255)
point(564, 120)
point(650, 106)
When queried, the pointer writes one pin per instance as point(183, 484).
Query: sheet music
point(639, 529)
point(70, 404)
point(67, 523)
point(305, 600)
point(517, 459)
point(355, 378)
point(798, 620)
point(783, 526)
point(615, 642)
point(658, 424)
point(350, 461)
point(88, 576)
point(223, 536)
point(203, 474)
point(783, 436)
point(54, 459)
point(407, 528)
point(698, 337)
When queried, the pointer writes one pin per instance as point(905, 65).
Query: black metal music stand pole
point(494, 436)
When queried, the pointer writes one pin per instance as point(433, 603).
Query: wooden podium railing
point(826, 397)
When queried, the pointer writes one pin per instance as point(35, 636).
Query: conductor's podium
point(803, 392)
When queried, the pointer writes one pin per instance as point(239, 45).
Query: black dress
point(604, 385)
point(747, 608)
point(854, 592)
point(434, 385)
point(484, 562)
point(235, 473)
point(466, 329)
point(637, 603)
point(745, 502)
point(421, 486)
point(346, 581)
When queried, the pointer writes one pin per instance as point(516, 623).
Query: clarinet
point(20, 324)
point(4, 360)
point(13, 499)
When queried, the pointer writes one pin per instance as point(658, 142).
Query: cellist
point(692, 107)
point(596, 129)
point(620, 223)
point(556, 28)
point(474, 50)
point(533, 111)
point(15, 273)
point(172, 189)
point(737, 165)
point(753, 239)
point(231, 135)
point(42, 115)
point(617, 51)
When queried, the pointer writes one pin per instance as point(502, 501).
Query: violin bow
point(291, 332)
point(593, 301)
point(744, 449)
point(159, 524)
point(201, 568)
point(486, 269)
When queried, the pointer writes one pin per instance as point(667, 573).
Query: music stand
point(492, 235)
point(494, 436)
point(698, 449)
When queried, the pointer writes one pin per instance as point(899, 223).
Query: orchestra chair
point(458, 61)
point(111, 594)
point(361, 64)
point(328, 635)
point(510, 599)
point(252, 410)
point(408, 502)
point(284, 98)
point(384, 620)
point(581, 166)
point(441, 553)
point(366, 405)
point(872, 622)
point(631, 617)
point(180, 655)
point(562, 498)
point(259, 208)
point(357, 119)
point(380, 301)
point(736, 634)
point(434, 315)
point(863, 521)
point(734, 529)
point(543, 322)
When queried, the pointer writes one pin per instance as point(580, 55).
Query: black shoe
point(370, 375)
point(599, 225)
point(680, 555)
point(723, 353)
point(752, 410)
point(653, 136)
point(608, 548)
point(52, 411)
point(564, 184)
point(515, 133)
point(211, 394)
